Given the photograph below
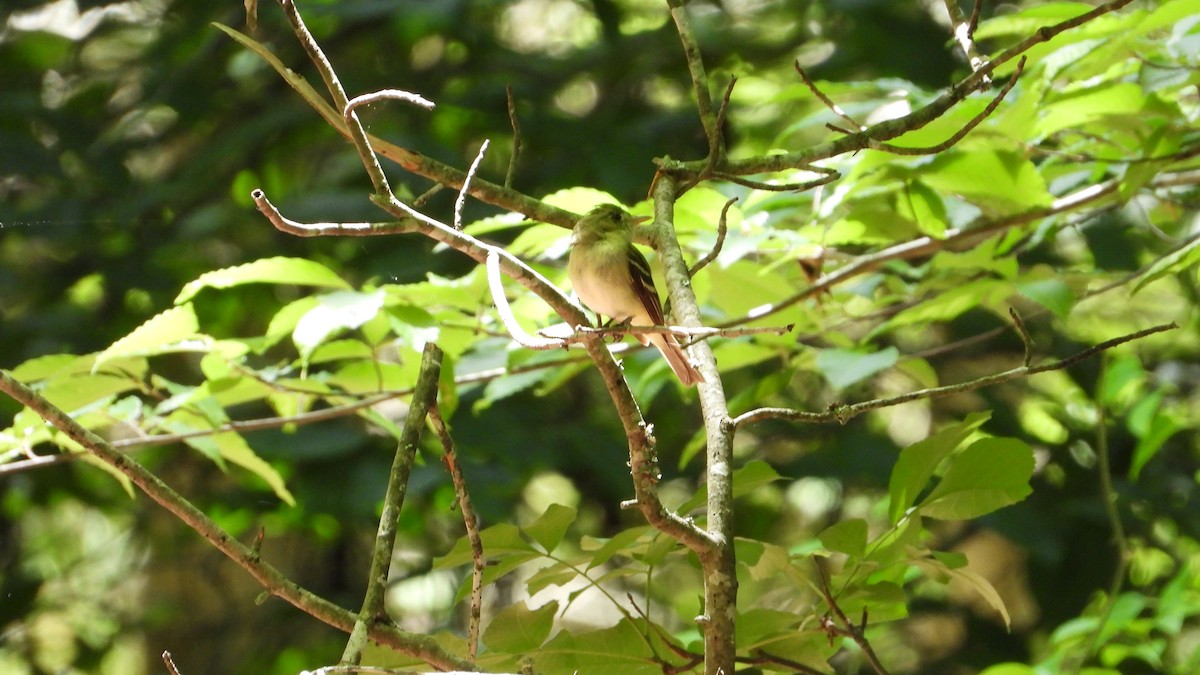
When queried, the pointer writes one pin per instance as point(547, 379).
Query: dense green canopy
point(1013, 248)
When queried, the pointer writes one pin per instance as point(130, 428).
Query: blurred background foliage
point(132, 133)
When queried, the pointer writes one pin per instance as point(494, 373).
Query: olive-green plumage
point(613, 279)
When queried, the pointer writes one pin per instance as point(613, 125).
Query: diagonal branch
point(423, 399)
point(419, 646)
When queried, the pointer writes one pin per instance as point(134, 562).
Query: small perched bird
point(613, 279)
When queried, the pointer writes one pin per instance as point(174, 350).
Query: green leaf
point(1003, 182)
point(1162, 427)
point(620, 649)
point(957, 571)
point(758, 623)
point(924, 207)
point(549, 528)
point(1078, 109)
point(1054, 294)
point(172, 330)
point(621, 543)
point(293, 271)
point(1172, 263)
point(517, 629)
point(985, 293)
point(754, 475)
point(500, 540)
point(847, 536)
point(844, 367)
point(919, 461)
point(989, 474)
point(333, 313)
point(232, 447)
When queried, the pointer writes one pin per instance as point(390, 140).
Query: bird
point(612, 278)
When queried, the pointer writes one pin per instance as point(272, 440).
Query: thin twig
point(169, 663)
point(385, 95)
point(678, 331)
point(964, 34)
point(516, 144)
point(340, 101)
point(829, 175)
point(716, 249)
point(1026, 341)
point(470, 520)
point(848, 628)
point(973, 22)
point(1109, 495)
point(695, 62)
point(924, 246)
point(843, 413)
point(423, 399)
point(837, 109)
point(966, 129)
point(504, 310)
point(462, 192)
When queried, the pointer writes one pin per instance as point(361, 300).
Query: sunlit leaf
point(989, 474)
point(293, 271)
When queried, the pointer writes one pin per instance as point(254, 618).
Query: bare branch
point(964, 34)
point(961, 133)
point(848, 627)
point(470, 521)
point(695, 62)
point(843, 413)
point(496, 284)
point(516, 144)
point(423, 399)
point(385, 95)
point(357, 134)
point(462, 192)
point(837, 109)
point(170, 663)
point(420, 646)
point(716, 249)
point(1026, 341)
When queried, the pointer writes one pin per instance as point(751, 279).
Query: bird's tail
point(676, 358)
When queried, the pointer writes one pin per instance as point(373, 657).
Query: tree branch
point(842, 413)
point(424, 398)
point(419, 646)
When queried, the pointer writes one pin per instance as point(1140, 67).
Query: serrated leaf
point(332, 314)
point(166, 331)
point(989, 474)
point(279, 270)
point(517, 629)
point(549, 528)
point(233, 448)
point(918, 462)
point(844, 367)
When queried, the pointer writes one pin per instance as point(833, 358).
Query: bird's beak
point(638, 220)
